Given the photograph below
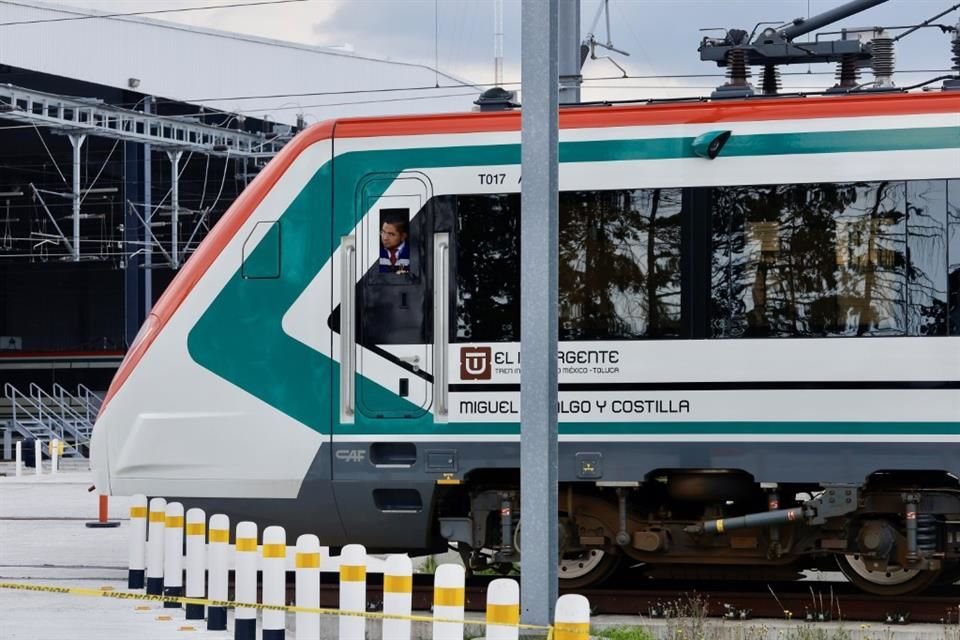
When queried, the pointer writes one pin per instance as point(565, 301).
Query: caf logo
point(475, 363)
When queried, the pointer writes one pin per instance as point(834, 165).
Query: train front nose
point(99, 457)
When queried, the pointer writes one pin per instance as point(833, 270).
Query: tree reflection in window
point(953, 254)
point(619, 265)
point(854, 259)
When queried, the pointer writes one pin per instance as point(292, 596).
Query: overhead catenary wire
point(126, 14)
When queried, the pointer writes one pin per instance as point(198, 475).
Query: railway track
point(820, 601)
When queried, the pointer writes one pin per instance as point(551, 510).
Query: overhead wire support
point(79, 116)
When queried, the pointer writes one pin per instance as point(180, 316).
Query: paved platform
point(43, 541)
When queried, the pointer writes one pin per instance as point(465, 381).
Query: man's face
point(390, 236)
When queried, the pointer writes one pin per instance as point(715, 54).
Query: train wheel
point(586, 569)
point(895, 581)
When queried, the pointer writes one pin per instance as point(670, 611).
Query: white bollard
point(19, 458)
point(219, 567)
point(353, 590)
point(38, 457)
point(308, 587)
point(173, 554)
point(397, 596)
point(157, 520)
point(503, 610)
point(54, 456)
point(138, 541)
point(448, 601)
point(196, 560)
point(572, 618)
point(274, 567)
point(245, 581)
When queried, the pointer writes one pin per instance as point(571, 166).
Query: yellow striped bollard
point(245, 581)
point(196, 531)
point(308, 586)
point(397, 596)
point(353, 590)
point(157, 517)
point(54, 456)
point(218, 554)
point(448, 601)
point(274, 566)
point(138, 542)
point(572, 618)
point(503, 610)
point(173, 554)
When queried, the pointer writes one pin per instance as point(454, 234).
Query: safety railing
point(86, 403)
point(71, 422)
point(28, 417)
point(91, 401)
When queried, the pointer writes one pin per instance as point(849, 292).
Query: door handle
point(348, 339)
point(441, 325)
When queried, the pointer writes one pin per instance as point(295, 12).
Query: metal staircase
point(60, 415)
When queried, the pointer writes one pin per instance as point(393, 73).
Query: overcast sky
point(661, 35)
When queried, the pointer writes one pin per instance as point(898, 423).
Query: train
point(759, 356)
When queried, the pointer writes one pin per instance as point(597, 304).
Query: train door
point(393, 298)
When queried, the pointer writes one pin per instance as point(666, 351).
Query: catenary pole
point(569, 51)
point(538, 319)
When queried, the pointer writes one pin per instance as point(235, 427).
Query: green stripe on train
point(704, 428)
point(240, 338)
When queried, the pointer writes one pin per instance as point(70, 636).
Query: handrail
point(38, 393)
point(92, 401)
point(14, 395)
point(75, 428)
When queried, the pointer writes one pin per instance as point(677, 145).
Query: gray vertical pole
point(147, 215)
point(175, 207)
point(538, 319)
point(569, 52)
point(76, 141)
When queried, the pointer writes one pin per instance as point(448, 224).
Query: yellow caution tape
point(308, 561)
point(274, 551)
point(567, 627)
point(138, 512)
point(219, 535)
point(196, 528)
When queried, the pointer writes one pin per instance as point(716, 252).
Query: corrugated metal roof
point(220, 68)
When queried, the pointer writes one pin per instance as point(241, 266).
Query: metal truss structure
point(78, 118)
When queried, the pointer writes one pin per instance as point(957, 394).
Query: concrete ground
point(43, 541)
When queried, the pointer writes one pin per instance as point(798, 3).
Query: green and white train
point(759, 362)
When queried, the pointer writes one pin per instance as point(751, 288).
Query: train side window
point(847, 259)
point(927, 313)
point(619, 265)
point(261, 252)
point(953, 254)
point(395, 241)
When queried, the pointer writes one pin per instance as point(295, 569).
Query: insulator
point(955, 47)
point(737, 69)
point(848, 74)
point(771, 80)
point(883, 59)
point(927, 526)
